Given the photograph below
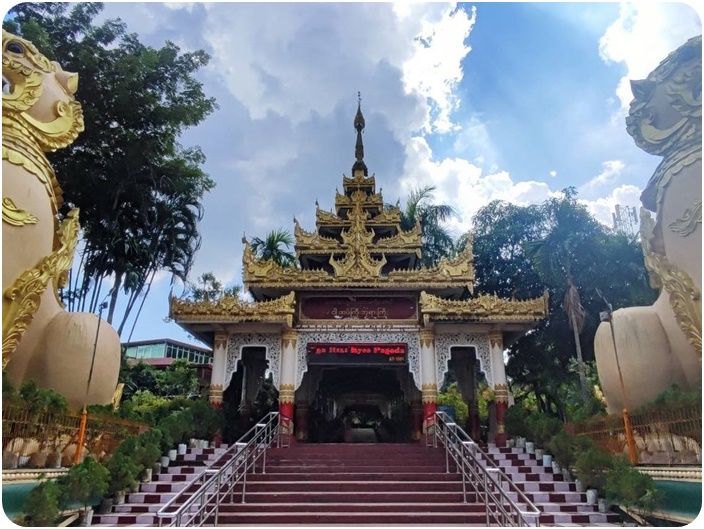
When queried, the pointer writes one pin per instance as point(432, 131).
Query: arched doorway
point(358, 404)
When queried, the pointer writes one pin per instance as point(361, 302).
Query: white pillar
point(428, 372)
point(217, 377)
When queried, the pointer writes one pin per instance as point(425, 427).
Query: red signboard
point(358, 308)
point(356, 353)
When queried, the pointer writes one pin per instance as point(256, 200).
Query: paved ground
point(363, 435)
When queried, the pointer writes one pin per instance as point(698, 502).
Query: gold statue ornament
point(40, 340)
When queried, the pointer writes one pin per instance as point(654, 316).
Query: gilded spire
point(359, 147)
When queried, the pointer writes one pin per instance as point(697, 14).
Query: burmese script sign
point(356, 353)
point(358, 308)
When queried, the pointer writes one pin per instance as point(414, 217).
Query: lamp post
point(607, 316)
point(84, 413)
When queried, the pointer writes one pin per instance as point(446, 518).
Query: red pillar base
point(501, 405)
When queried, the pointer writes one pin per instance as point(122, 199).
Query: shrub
point(207, 420)
point(543, 427)
point(564, 447)
point(123, 472)
point(626, 486)
point(593, 465)
point(516, 422)
point(148, 448)
point(83, 482)
point(42, 505)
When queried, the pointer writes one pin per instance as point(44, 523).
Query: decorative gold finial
point(359, 147)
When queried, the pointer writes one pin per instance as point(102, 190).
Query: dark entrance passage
point(360, 404)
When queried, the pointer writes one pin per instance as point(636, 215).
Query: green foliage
point(123, 471)
point(41, 507)
point(564, 447)
point(40, 400)
point(148, 448)
point(180, 379)
point(9, 393)
point(138, 190)
point(568, 244)
point(209, 288)
point(138, 377)
point(542, 428)
point(631, 489)
point(275, 246)
point(146, 407)
point(436, 239)
point(207, 420)
point(673, 396)
point(83, 482)
point(516, 422)
point(452, 397)
point(592, 467)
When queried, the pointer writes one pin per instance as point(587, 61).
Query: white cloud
point(553, 173)
point(602, 208)
point(611, 170)
point(435, 70)
point(643, 35)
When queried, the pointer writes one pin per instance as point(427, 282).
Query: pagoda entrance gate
point(360, 320)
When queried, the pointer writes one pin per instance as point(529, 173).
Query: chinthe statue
point(40, 340)
point(661, 345)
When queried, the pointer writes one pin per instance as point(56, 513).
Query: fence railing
point(670, 435)
point(225, 477)
point(504, 503)
point(26, 432)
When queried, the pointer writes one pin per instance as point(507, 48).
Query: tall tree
point(138, 190)
point(571, 233)
point(275, 246)
point(539, 362)
point(437, 241)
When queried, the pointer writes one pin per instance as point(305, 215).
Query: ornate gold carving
point(427, 338)
point(429, 393)
point(683, 292)
point(496, 339)
point(24, 296)
point(665, 116)
point(501, 393)
point(215, 394)
point(26, 73)
point(232, 309)
point(287, 394)
point(358, 180)
point(689, 221)
point(289, 338)
point(15, 216)
point(314, 240)
point(483, 308)
point(358, 197)
point(220, 341)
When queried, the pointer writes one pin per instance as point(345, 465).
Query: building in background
point(162, 353)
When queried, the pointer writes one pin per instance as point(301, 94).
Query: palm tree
point(270, 248)
point(436, 239)
point(572, 232)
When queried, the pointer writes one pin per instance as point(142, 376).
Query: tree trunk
point(580, 361)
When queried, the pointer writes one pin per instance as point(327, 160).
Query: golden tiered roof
point(358, 245)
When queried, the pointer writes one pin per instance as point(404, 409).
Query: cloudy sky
point(484, 100)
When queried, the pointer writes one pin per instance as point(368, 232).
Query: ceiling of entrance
point(342, 380)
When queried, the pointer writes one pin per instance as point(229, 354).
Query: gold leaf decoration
point(15, 216)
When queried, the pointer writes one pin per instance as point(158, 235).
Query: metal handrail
point(482, 474)
point(216, 482)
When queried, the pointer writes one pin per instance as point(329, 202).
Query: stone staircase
point(140, 507)
point(359, 484)
point(556, 498)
